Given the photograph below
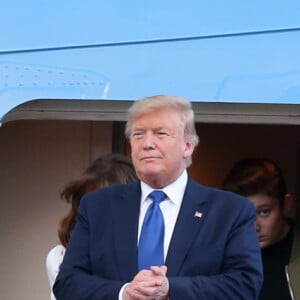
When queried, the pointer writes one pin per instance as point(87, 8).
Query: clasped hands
point(150, 284)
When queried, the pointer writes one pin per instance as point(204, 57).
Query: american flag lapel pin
point(198, 214)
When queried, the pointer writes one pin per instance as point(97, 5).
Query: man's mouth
point(149, 157)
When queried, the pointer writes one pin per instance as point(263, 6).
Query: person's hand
point(148, 285)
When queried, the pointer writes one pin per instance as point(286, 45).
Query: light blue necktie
point(151, 244)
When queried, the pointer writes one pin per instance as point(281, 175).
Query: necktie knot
point(157, 196)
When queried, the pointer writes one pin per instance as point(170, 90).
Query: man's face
point(271, 226)
point(158, 147)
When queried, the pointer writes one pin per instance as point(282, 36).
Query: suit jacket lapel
point(190, 218)
point(126, 216)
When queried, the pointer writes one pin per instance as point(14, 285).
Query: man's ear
point(189, 149)
point(289, 207)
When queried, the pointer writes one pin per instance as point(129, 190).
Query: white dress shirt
point(170, 206)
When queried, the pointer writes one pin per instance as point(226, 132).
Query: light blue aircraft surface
point(207, 51)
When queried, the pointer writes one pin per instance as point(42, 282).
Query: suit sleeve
point(75, 279)
point(240, 276)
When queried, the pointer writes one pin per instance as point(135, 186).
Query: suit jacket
point(215, 256)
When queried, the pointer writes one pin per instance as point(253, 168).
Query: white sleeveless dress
point(53, 261)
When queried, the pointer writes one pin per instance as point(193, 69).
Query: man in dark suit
point(203, 242)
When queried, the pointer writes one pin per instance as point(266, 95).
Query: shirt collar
point(174, 191)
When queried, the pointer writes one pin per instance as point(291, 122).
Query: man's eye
point(137, 135)
point(162, 133)
point(264, 212)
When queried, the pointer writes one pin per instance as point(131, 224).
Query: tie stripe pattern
point(151, 244)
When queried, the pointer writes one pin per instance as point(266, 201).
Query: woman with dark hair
point(105, 171)
point(262, 182)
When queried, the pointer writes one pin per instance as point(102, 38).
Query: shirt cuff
point(122, 290)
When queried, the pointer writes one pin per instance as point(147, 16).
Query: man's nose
point(149, 141)
point(257, 226)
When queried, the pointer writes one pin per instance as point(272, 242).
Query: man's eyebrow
point(138, 128)
point(260, 206)
point(161, 128)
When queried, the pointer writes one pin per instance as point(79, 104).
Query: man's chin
point(149, 174)
point(264, 244)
